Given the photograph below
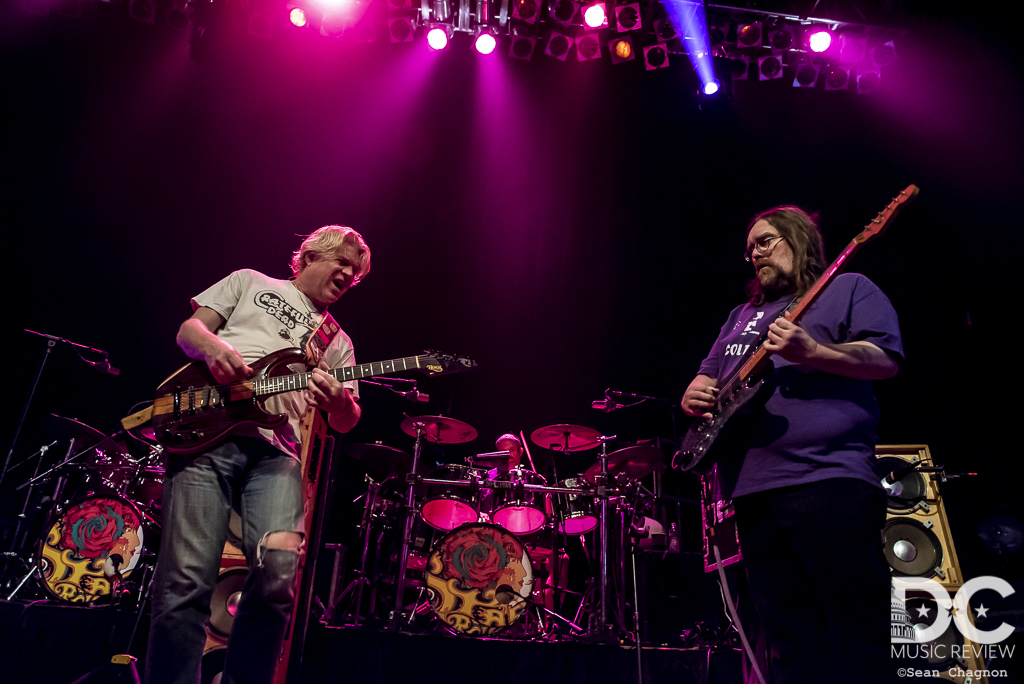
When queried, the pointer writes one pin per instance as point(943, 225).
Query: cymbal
point(440, 429)
point(379, 460)
point(554, 437)
point(85, 437)
point(636, 461)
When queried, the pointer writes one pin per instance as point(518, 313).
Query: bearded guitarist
point(808, 504)
point(236, 322)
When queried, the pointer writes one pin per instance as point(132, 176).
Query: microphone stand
point(51, 342)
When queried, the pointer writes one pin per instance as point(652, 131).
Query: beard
point(774, 282)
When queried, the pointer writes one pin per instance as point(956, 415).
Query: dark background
point(570, 226)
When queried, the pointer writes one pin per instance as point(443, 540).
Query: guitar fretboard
point(290, 383)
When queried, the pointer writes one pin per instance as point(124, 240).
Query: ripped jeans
point(265, 484)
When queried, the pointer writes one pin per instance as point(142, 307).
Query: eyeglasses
point(762, 246)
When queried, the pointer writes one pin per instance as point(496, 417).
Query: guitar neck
point(289, 383)
point(755, 364)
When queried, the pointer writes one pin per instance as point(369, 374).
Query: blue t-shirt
point(815, 425)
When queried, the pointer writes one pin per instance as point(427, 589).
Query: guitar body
point(708, 440)
point(193, 413)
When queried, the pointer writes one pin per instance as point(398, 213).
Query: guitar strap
point(317, 343)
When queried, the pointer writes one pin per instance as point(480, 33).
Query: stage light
point(485, 43)
point(521, 47)
point(819, 41)
point(621, 50)
point(711, 87)
point(563, 11)
point(437, 38)
point(401, 30)
point(655, 57)
point(627, 17)
point(769, 68)
point(837, 78)
point(868, 82)
point(749, 35)
point(558, 46)
point(595, 16)
point(587, 47)
point(526, 10)
point(806, 76)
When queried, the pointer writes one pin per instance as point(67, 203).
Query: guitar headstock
point(438, 363)
point(879, 224)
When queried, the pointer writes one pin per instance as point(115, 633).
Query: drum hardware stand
point(411, 479)
point(604, 633)
point(361, 578)
point(51, 342)
point(16, 543)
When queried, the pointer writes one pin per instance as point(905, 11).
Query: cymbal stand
point(604, 631)
point(16, 542)
point(361, 579)
point(411, 478)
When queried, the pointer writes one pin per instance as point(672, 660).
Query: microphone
point(414, 395)
point(607, 404)
point(104, 366)
point(898, 474)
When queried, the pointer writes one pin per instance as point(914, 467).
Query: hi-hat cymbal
point(440, 429)
point(61, 428)
point(636, 461)
point(379, 460)
point(565, 437)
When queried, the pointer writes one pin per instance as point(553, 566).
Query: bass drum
point(478, 579)
point(72, 555)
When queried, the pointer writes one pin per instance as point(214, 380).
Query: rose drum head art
point(71, 556)
point(478, 578)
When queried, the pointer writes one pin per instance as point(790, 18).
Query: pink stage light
point(820, 41)
point(485, 44)
point(594, 16)
point(437, 38)
point(297, 16)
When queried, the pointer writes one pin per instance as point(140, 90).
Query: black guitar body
point(203, 412)
point(708, 440)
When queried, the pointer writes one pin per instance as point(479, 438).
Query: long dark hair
point(800, 230)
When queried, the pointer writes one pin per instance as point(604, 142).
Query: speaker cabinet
point(916, 533)
point(224, 603)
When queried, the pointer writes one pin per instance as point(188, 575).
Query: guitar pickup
point(206, 398)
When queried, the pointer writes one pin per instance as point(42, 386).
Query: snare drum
point(446, 506)
point(577, 508)
point(72, 554)
point(478, 579)
point(519, 510)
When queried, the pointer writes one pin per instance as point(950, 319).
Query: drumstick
point(527, 450)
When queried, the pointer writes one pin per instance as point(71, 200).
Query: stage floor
point(44, 642)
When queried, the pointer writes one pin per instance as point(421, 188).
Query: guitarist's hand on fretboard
point(325, 392)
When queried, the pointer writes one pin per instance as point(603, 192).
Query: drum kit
point(86, 520)
point(482, 545)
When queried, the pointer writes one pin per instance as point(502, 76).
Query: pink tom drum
point(518, 510)
point(446, 506)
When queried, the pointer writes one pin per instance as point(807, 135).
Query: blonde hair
point(325, 242)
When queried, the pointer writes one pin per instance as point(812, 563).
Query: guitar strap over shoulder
point(317, 343)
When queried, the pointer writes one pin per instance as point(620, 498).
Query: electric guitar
point(738, 396)
point(192, 412)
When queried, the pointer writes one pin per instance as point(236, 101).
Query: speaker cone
point(226, 595)
point(911, 548)
point(907, 492)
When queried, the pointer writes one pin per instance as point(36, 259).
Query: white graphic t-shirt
point(264, 315)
